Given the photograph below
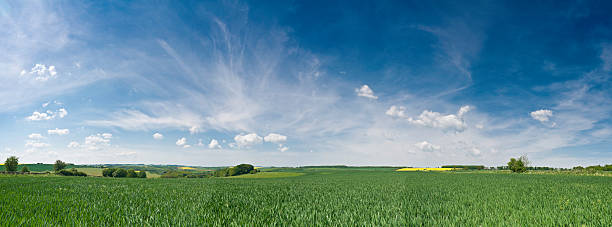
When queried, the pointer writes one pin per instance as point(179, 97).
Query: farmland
point(317, 196)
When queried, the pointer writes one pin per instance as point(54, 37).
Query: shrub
point(254, 171)
point(579, 168)
point(59, 165)
point(11, 164)
point(131, 173)
point(73, 172)
point(120, 173)
point(142, 174)
point(25, 169)
point(518, 165)
point(108, 172)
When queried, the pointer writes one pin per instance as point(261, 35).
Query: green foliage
point(185, 174)
point(120, 173)
point(25, 169)
point(131, 173)
point(59, 165)
point(235, 171)
point(11, 164)
point(71, 172)
point(253, 171)
point(108, 172)
point(518, 165)
point(315, 198)
point(142, 174)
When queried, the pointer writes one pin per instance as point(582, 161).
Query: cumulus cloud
point(248, 140)
point(48, 115)
point(41, 72)
point(35, 136)
point(433, 119)
point(542, 115)
point(282, 148)
point(275, 138)
point(194, 129)
point(158, 136)
point(396, 111)
point(181, 141)
point(96, 142)
point(73, 144)
point(58, 131)
point(427, 147)
point(365, 91)
point(214, 144)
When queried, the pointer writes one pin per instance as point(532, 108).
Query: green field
point(312, 197)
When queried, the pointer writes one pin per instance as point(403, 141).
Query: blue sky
point(292, 83)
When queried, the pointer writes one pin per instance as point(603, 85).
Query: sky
point(294, 83)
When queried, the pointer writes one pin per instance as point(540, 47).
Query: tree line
point(120, 172)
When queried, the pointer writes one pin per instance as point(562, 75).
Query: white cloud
point(96, 142)
point(36, 144)
point(41, 72)
point(61, 113)
point(275, 138)
point(73, 144)
point(194, 129)
point(283, 148)
point(181, 141)
point(463, 110)
point(475, 151)
point(158, 136)
point(186, 146)
point(365, 91)
point(427, 147)
point(435, 119)
point(35, 136)
point(396, 111)
point(248, 140)
point(58, 131)
point(37, 116)
point(214, 144)
point(542, 115)
point(48, 115)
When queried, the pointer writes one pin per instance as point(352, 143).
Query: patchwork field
point(310, 197)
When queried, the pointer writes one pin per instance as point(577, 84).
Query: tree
point(108, 172)
point(25, 169)
point(517, 165)
point(59, 165)
point(11, 164)
point(131, 173)
point(142, 174)
point(120, 173)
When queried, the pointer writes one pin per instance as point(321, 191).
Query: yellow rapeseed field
point(185, 167)
point(425, 169)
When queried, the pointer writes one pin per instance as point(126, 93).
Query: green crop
point(349, 198)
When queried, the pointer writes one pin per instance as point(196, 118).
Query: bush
point(234, 171)
point(120, 173)
point(11, 164)
point(108, 172)
point(131, 173)
point(518, 165)
point(73, 172)
point(254, 171)
point(25, 169)
point(142, 174)
point(578, 168)
point(59, 165)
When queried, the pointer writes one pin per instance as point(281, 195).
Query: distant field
point(269, 175)
point(311, 196)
